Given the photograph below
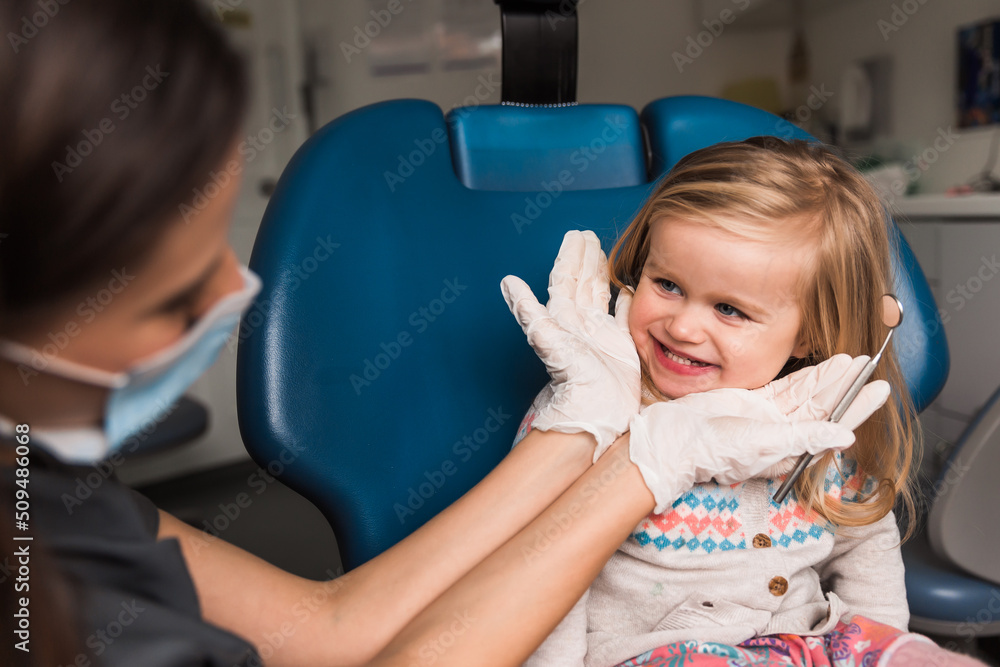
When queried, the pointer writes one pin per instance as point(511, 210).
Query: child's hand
point(728, 435)
point(589, 354)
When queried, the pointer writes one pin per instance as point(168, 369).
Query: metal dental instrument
point(892, 317)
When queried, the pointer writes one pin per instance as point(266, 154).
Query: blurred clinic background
point(909, 88)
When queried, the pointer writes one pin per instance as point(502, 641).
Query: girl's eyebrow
point(651, 265)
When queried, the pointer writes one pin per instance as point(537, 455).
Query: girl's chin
point(679, 390)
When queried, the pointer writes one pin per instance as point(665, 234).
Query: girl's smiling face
point(713, 310)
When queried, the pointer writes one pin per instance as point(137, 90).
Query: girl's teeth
point(681, 360)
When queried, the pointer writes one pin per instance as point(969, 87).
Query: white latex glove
point(731, 435)
point(589, 354)
point(813, 393)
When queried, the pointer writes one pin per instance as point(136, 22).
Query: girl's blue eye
point(669, 285)
point(728, 311)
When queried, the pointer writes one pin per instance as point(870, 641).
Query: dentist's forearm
point(348, 620)
point(382, 596)
point(505, 607)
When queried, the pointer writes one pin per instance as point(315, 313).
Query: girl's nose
point(684, 325)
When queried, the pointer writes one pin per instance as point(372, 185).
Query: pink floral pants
point(858, 643)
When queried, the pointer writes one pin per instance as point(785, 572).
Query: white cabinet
point(958, 245)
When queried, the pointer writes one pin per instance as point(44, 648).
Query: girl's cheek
point(738, 348)
point(634, 315)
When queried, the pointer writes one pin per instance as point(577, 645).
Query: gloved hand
point(589, 354)
point(731, 435)
point(813, 393)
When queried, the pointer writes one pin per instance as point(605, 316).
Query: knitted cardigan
point(726, 563)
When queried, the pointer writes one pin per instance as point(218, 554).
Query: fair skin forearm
point(504, 608)
point(347, 621)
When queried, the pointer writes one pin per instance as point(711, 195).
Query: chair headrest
point(524, 149)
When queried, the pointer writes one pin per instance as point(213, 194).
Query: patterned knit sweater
point(726, 563)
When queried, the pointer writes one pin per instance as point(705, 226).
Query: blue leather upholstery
point(920, 343)
point(679, 125)
point(942, 592)
point(519, 148)
point(380, 371)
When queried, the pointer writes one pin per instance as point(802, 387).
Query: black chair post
point(539, 51)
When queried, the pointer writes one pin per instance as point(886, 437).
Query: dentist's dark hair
point(90, 179)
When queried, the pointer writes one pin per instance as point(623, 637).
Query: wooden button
point(778, 586)
point(761, 541)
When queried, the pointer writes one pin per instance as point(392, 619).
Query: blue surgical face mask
point(141, 395)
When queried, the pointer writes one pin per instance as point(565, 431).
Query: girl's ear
point(801, 350)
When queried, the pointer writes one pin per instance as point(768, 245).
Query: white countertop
point(945, 206)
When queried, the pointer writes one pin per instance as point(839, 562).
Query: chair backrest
point(958, 525)
point(380, 373)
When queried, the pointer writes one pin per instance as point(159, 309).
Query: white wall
point(627, 56)
point(348, 81)
point(924, 55)
point(626, 51)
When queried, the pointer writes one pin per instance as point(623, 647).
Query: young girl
point(750, 260)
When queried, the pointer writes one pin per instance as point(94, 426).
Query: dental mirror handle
point(838, 412)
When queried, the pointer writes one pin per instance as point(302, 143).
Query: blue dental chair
point(380, 373)
point(952, 571)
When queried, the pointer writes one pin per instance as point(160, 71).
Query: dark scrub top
point(134, 599)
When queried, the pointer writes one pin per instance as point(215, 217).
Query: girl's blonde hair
point(768, 189)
